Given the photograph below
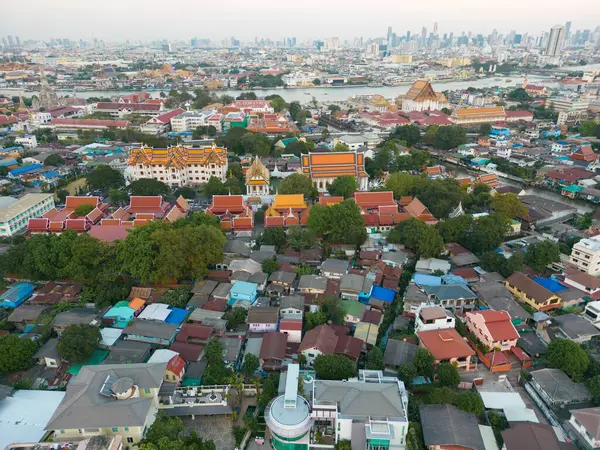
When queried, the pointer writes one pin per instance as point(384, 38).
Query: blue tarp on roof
point(24, 169)
point(427, 280)
point(550, 284)
point(9, 149)
point(51, 174)
point(177, 316)
point(16, 295)
point(453, 279)
point(383, 294)
point(8, 162)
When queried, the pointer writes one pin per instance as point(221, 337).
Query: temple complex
point(422, 97)
point(287, 210)
point(257, 178)
point(235, 214)
point(324, 168)
point(179, 166)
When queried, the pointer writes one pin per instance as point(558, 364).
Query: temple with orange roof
point(179, 166)
point(422, 97)
point(490, 179)
point(234, 213)
point(57, 221)
point(257, 178)
point(478, 115)
point(382, 213)
point(324, 168)
point(287, 210)
point(584, 153)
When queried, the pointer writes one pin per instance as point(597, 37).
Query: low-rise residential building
point(291, 307)
point(15, 213)
point(493, 329)
point(190, 120)
point(533, 436)
point(447, 346)
point(585, 255)
point(334, 268)
point(263, 319)
point(292, 328)
point(535, 295)
point(124, 399)
point(326, 340)
point(447, 427)
point(557, 389)
point(312, 284)
point(457, 298)
point(433, 318)
point(478, 115)
point(587, 424)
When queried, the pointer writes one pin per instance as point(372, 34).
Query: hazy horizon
point(184, 19)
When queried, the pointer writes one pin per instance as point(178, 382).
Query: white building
point(433, 318)
point(585, 255)
point(190, 120)
point(587, 423)
point(561, 147)
point(592, 312)
point(178, 166)
point(504, 152)
point(29, 141)
point(353, 142)
point(15, 213)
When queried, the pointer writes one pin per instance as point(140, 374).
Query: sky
point(115, 20)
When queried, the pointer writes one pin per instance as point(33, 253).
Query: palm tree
point(237, 382)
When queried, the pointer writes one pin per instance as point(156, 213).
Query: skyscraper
point(389, 35)
point(568, 29)
point(555, 40)
point(435, 28)
point(11, 42)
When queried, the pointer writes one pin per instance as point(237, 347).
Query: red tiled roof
point(273, 346)
point(349, 346)
point(77, 224)
point(582, 278)
point(322, 338)
point(189, 352)
point(73, 202)
point(128, 106)
point(91, 123)
point(368, 200)
point(498, 324)
point(290, 324)
point(445, 344)
point(166, 117)
point(110, 233)
point(192, 331)
point(372, 316)
point(215, 304)
point(176, 365)
point(37, 225)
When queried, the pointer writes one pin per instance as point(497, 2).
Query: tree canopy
point(83, 210)
point(78, 342)
point(269, 266)
point(448, 375)
point(344, 186)
point(15, 353)
point(423, 362)
point(509, 205)
point(274, 236)
point(375, 359)
point(567, 356)
point(334, 367)
point(54, 160)
point(298, 184)
point(450, 137)
point(104, 177)
point(541, 254)
point(339, 224)
point(415, 234)
point(148, 186)
point(410, 134)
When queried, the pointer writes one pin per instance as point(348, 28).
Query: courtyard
point(215, 428)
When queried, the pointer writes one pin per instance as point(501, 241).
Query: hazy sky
point(216, 19)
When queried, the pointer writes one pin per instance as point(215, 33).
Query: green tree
point(257, 144)
point(334, 367)
point(297, 113)
point(54, 160)
point(250, 365)
point(448, 375)
point(339, 147)
point(442, 395)
point(519, 95)
point(232, 140)
point(541, 254)
point(177, 298)
point(430, 243)
point(407, 373)
point(298, 184)
point(269, 266)
point(15, 354)
point(469, 401)
point(375, 359)
point(118, 196)
point(148, 186)
point(488, 233)
point(401, 184)
point(214, 352)
point(104, 177)
point(410, 134)
point(235, 317)
point(452, 230)
point(509, 205)
point(585, 221)
point(450, 137)
point(313, 319)
point(588, 128)
point(485, 129)
point(83, 210)
point(274, 236)
point(301, 238)
point(567, 356)
point(414, 438)
point(277, 102)
point(186, 192)
point(214, 186)
point(343, 444)
point(78, 342)
point(423, 363)
point(344, 186)
point(339, 224)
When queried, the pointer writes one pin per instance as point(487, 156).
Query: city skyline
point(311, 19)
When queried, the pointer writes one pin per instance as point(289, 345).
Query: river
point(332, 93)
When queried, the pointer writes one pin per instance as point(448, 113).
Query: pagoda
point(257, 178)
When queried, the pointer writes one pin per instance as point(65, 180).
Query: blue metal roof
point(25, 169)
point(177, 316)
point(550, 284)
point(8, 162)
point(17, 293)
point(384, 294)
point(244, 287)
point(427, 280)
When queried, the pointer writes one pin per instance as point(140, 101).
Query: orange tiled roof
point(474, 112)
point(178, 156)
point(295, 201)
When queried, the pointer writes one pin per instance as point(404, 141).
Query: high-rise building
point(568, 29)
point(408, 35)
point(11, 41)
point(17, 41)
point(555, 40)
point(424, 33)
point(435, 28)
point(389, 35)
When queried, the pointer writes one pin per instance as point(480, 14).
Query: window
point(80, 430)
point(62, 431)
point(146, 391)
point(126, 428)
point(129, 440)
point(115, 430)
